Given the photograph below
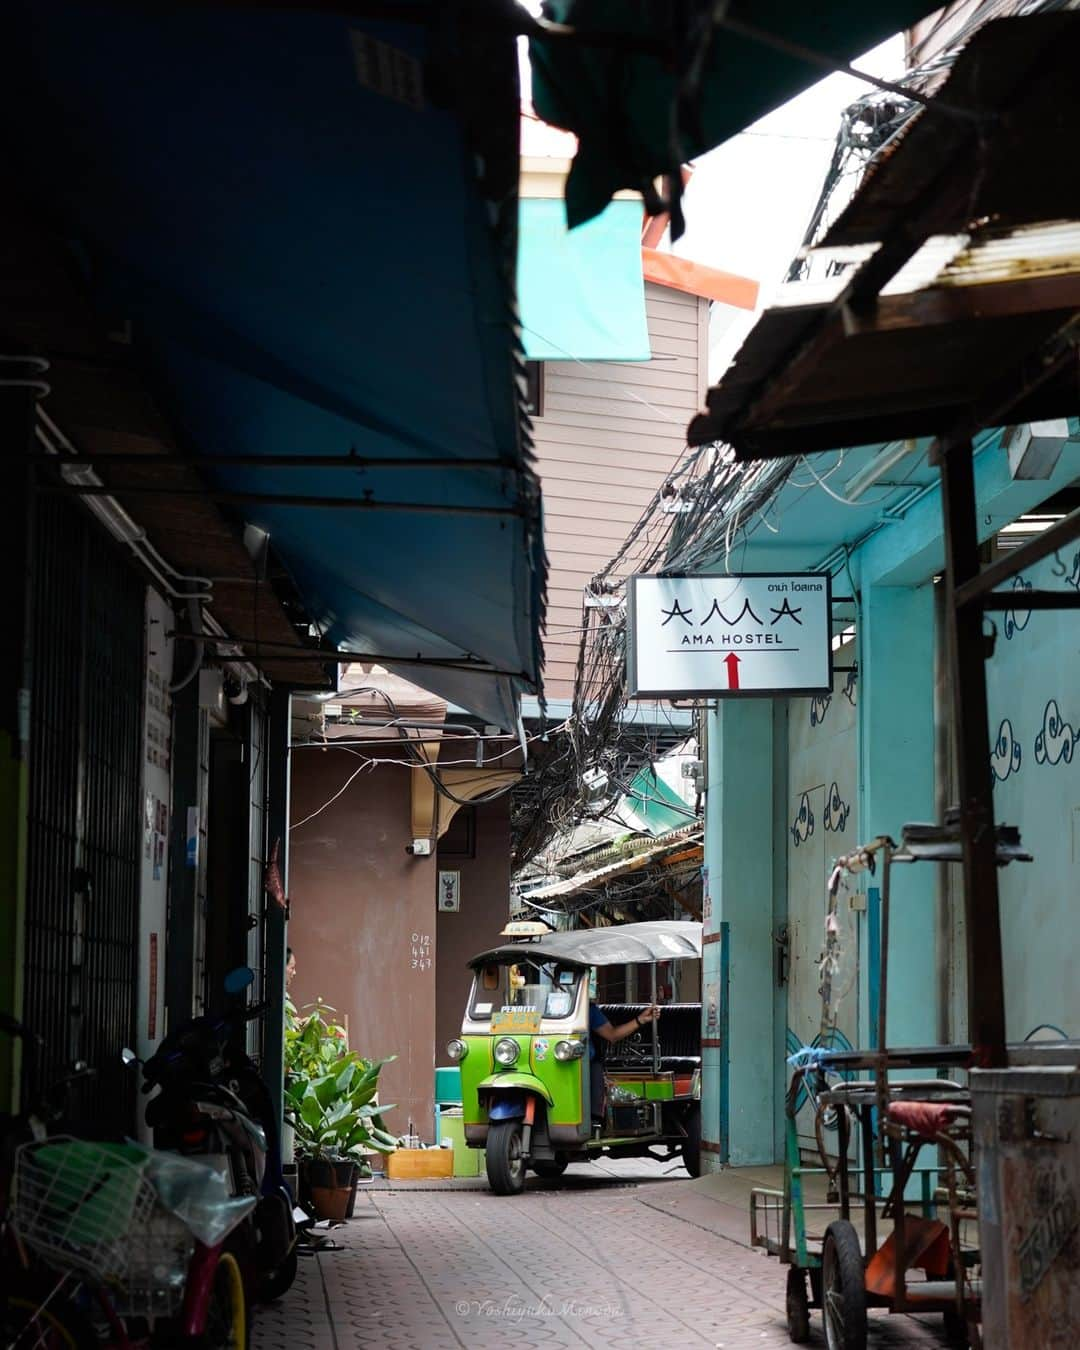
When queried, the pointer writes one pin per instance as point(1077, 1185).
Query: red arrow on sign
point(732, 663)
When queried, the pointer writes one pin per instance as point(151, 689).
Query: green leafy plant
point(313, 1043)
point(330, 1092)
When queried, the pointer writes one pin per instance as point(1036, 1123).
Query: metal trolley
point(874, 1177)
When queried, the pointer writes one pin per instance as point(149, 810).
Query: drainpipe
point(943, 928)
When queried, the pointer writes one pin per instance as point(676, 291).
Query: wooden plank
point(650, 434)
point(967, 654)
point(651, 375)
point(579, 509)
point(616, 403)
point(594, 480)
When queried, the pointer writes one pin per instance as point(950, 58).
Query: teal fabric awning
point(580, 292)
point(308, 228)
point(629, 90)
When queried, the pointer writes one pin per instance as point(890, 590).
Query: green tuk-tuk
point(526, 1066)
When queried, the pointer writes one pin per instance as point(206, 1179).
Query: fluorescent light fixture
point(878, 467)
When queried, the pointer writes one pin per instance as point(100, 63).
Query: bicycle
point(113, 1265)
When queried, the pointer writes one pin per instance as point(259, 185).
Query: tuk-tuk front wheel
point(502, 1155)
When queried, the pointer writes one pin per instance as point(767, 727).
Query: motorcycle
point(213, 1103)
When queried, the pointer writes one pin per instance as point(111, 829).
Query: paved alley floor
point(617, 1254)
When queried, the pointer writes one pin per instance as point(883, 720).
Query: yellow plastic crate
point(420, 1164)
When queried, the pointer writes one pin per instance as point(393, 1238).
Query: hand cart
point(929, 1259)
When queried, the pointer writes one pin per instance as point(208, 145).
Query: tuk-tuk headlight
point(456, 1050)
point(565, 1050)
point(506, 1051)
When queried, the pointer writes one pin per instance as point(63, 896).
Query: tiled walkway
point(603, 1259)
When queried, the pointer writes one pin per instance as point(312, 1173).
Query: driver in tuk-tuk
point(600, 1029)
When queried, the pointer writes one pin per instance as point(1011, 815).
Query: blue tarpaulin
point(308, 222)
point(581, 291)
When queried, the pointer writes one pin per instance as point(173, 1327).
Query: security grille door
point(84, 813)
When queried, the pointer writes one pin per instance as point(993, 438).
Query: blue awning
point(309, 223)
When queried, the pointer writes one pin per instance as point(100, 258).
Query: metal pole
point(943, 945)
point(655, 1024)
point(968, 651)
point(883, 978)
point(18, 512)
point(881, 1071)
point(276, 931)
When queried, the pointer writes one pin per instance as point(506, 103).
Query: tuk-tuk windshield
point(547, 987)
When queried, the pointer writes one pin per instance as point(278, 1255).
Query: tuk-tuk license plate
point(516, 1021)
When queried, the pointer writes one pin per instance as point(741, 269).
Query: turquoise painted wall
point(739, 855)
point(1033, 684)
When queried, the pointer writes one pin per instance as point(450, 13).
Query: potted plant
point(330, 1102)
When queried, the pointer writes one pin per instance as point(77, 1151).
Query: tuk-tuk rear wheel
point(502, 1156)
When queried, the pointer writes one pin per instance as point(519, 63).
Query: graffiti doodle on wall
point(802, 827)
point(1073, 579)
point(836, 811)
point(1007, 754)
point(1055, 742)
point(850, 685)
point(1016, 620)
point(819, 706)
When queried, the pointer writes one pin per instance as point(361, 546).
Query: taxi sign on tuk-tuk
point(516, 1021)
point(526, 928)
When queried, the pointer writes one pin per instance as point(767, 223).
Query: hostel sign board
point(723, 635)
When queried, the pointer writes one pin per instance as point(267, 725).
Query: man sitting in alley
point(600, 1029)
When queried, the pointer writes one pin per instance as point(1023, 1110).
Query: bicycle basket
point(158, 1255)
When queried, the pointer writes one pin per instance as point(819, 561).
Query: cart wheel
point(502, 1154)
point(798, 1306)
point(843, 1288)
point(691, 1149)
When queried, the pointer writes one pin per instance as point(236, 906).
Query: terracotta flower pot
point(333, 1187)
point(332, 1202)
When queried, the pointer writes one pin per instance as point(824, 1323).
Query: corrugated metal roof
point(634, 855)
point(1019, 74)
point(953, 324)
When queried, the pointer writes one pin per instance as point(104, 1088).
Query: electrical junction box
point(212, 695)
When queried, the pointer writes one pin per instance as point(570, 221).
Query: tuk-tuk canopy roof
point(628, 943)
